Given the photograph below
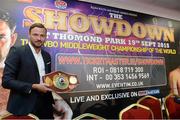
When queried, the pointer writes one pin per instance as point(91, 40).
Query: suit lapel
point(32, 59)
point(45, 58)
point(45, 61)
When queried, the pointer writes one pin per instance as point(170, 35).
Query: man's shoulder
point(18, 49)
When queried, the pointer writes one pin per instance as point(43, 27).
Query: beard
point(37, 44)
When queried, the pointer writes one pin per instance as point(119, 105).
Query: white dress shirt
point(40, 62)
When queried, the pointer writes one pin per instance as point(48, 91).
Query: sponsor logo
point(142, 93)
point(60, 4)
point(148, 92)
point(153, 92)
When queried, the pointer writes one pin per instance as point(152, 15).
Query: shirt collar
point(33, 50)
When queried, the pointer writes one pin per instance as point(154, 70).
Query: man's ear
point(13, 38)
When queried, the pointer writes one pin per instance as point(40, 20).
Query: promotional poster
point(117, 56)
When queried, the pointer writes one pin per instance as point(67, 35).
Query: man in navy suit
point(24, 68)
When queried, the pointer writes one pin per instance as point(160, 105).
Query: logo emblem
point(60, 4)
point(60, 82)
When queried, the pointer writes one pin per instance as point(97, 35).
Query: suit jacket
point(20, 73)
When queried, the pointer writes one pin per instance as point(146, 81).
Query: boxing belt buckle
point(60, 81)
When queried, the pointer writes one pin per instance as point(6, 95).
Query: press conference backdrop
point(118, 55)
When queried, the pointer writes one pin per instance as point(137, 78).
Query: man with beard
point(24, 68)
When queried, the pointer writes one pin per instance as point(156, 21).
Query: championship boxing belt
point(60, 81)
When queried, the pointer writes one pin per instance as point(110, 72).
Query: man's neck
point(36, 50)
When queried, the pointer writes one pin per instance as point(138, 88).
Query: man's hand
point(174, 81)
point(41, 88)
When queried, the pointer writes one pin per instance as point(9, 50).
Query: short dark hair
point(4, 16)
point(39, 25)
